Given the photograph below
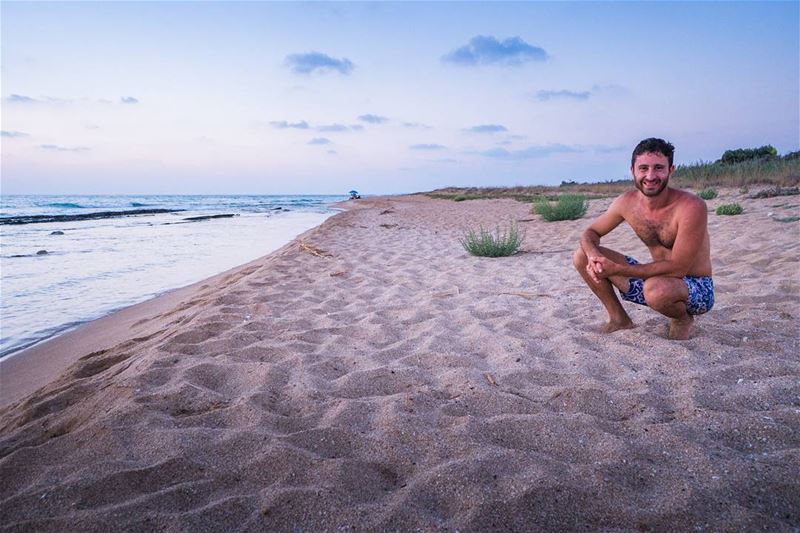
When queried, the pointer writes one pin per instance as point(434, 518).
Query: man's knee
point(660, 291)
point(579, 259)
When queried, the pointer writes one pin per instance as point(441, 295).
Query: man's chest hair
point(653, 232)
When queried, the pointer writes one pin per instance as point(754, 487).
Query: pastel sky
point(283, 98)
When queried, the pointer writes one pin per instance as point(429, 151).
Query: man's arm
point(590, 238)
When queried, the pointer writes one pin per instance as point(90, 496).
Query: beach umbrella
point(353, 192)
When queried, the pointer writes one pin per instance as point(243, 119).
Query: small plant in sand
point(730, 209)
point(500, 243)
point(709, 193)
point(567, 207)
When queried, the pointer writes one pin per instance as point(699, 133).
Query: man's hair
point(655, 146)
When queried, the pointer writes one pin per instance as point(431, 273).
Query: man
point(673, 224)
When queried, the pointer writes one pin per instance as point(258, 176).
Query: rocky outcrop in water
point(39, 219)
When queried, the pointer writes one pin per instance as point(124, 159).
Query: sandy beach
point(371, 375)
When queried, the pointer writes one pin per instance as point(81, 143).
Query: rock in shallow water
point(42, 252)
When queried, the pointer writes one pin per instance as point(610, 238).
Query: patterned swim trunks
point(701, 291)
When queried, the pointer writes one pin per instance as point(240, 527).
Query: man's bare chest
point(654, 232)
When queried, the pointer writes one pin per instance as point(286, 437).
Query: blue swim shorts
point(701, 291)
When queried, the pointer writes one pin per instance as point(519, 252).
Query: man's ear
point(671, 170)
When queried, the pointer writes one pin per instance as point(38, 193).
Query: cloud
point(531, 152)
point(416, 125)
point(333, 128)
point(5, 133)
point(336, 128)
point(373, 119)
point(319, 140)
point(128, 100)
point(615, 91)
point(56, 148)
point(427, 147)
point(332, 152)
point(21, 99)
point(282, 125)
point(308, 63)
point(483, 50)
point(487, 128)
point(563, 94)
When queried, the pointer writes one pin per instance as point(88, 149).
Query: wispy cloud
point(416, 125)
point(429, 147)
point(487, 50)
point(282, 124)
point(317, 61)
point(487, 128)
point(57, 148)
point(596, 90)
point(337, 128)
point(562, 94)
point(373, 119)
point(21, 99)
point(128, 100)
point(319, 140)
point(12, 134)
point(532, 152)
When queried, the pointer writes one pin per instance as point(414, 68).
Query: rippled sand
point(374, 376)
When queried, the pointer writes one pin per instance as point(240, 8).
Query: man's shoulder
point(688, 200)
point(626, 199)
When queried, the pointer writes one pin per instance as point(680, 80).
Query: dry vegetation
point(777, 172)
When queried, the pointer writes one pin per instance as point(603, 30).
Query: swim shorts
point(701, 291)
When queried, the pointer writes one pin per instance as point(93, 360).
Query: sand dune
point(373, 376)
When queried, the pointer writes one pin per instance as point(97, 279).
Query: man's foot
point(679, 328)
point(614, 325)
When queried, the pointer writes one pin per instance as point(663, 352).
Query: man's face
point(651, 173)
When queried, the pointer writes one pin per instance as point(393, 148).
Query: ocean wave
point(66, 205)
point(138, 204)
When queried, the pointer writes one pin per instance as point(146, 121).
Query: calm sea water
point(96, 266)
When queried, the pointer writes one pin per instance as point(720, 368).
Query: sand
point(373, 376)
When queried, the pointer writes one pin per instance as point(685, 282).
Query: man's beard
point(651, 192)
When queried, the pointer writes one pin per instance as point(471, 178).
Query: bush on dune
point(500, 243)
point(730, 209)
point(566, 207)
point(708, 193)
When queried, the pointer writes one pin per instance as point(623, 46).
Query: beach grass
point(500, 243)
point(566, 207)
point(730, 209)
point(776, 172)
point(709, 193)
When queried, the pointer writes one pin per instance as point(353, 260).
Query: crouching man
point(673, 224)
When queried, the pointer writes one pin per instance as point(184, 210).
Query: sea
point(67, 260)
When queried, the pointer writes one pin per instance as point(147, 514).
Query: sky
point(302, 98)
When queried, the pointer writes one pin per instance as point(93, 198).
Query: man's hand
point(601, 267)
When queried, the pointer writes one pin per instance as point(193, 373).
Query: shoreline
point(25, 370)
point(372, 375)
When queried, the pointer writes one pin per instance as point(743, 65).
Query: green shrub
point(566, 207)
point(708, 193)
point(730, 209)
point(746, 154)
point(501, 243)
point(459, 198)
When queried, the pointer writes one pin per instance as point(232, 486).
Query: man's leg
point(668, 296)
point(617, 317)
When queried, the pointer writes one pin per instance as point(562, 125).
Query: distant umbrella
point(353, 192)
